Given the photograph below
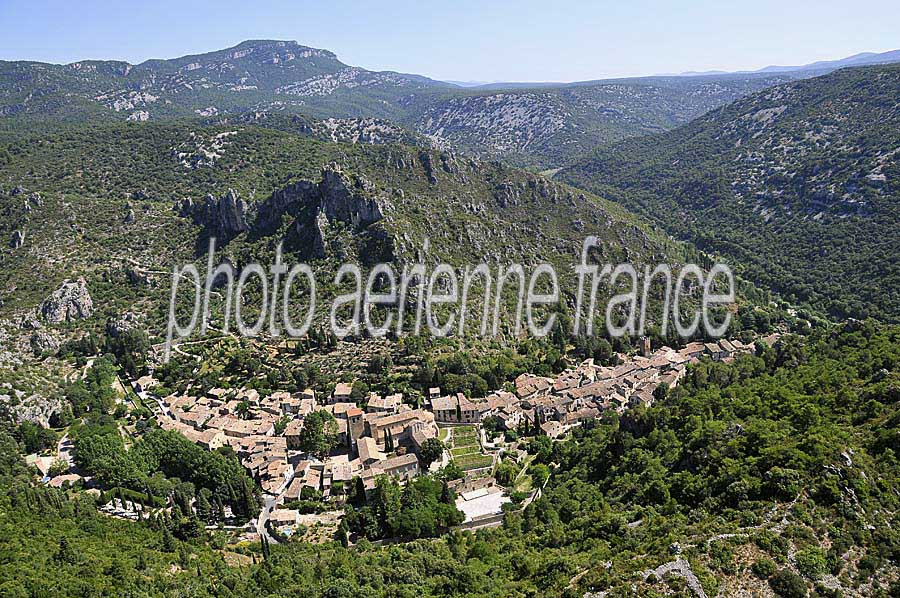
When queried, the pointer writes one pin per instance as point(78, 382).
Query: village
point(384, 436)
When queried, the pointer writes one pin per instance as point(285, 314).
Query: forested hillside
point(798, 184)
point(777, 472)
point(119, 205)
point(95, 201)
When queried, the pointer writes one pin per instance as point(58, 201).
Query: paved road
point(64, 449)
point(261, 521)
point(146, 396)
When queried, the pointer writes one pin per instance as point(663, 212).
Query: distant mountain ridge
point(536, 125)
point(861, 59)
point(821, 66)
point(251, 75)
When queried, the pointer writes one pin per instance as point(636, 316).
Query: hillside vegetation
point(92, 201)
point(540, 128)
point(778, 471)
point(798, 184)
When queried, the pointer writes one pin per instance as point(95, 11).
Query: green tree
point(319, 434)
point(539, 474)
point(432, 450)
point(788, 584)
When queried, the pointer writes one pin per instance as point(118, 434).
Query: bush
point(788, 584)
point(763, 568)
point(773, 544)
point(811, 562)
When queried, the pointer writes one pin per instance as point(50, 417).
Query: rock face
point(184, 208)
point(18, 238)
point(350, 199)
point(29, 322)
point(224, 216)
point(71, 301)
point(344, 199)
point(43, 342)
point(428, 165)
point(337, 197)
point(116, 327)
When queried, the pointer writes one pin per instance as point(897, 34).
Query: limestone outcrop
point(70, 302)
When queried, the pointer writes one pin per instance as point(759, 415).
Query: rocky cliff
point(339, 197)
point(70, 302)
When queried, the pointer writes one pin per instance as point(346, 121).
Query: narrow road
point(64, 450)
point(261, 522)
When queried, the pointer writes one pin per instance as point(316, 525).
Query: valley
point(596, 460)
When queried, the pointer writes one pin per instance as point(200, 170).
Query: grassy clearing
point(465, 436)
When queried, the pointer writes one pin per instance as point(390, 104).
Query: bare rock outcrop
point(43, 342)
point(308, 207)
point(71, 301)
point(116, 327)
point(29, 322)
point(18, 239)
point(224, 216)
point(428, 164)
point(337, 197)
point(349, 199)
point(140, 277)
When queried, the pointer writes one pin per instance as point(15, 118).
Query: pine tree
point(342, 534)
point(265, 547)
point(168, 541)
point(446, 494)
point(65, 554)
point(218, 509)
point(204, 509)
point(359, 493)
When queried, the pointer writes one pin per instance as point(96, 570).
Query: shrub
point(763, 568)
point(811, 562)
point(788, 584)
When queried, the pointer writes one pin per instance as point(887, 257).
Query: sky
point(462, 40)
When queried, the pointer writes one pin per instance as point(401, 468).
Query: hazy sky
point(466, 40)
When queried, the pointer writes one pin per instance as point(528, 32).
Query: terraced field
point(466, 450)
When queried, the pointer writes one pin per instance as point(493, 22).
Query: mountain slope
point(799, 183)
point(251, 75)
point(549, 127)
point(98, 201)
point(541, 126)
